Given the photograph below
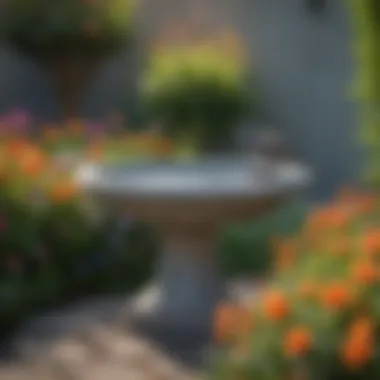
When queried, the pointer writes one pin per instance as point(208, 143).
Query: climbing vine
point(366, 21)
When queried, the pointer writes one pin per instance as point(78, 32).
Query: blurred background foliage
point(43, 27)
point(247, 250)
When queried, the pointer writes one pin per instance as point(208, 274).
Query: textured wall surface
point(306, 70)
point(303, 63)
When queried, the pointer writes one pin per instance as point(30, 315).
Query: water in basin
point(210, 177)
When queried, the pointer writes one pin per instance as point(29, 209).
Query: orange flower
point(336, 296)
point(231, 321)
point(371, 242)
point(365, 273)
point(356, 354)
point(276, 305)
point(298, 341)
point(358, 348)
point(63, 192)
point(328, 218)
point(223, 323)
point(338, 218)
point(32, 162)
point(362, 328)
point(16, 147)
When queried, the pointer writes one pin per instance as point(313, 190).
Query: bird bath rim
point(209, 178)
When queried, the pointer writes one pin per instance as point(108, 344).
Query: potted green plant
point(70, 36)
point(198, 90)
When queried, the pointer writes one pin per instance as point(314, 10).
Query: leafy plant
point(198, 90)
point(318, 316)
point(247, 250)
point(52, 245)
point(366, 21)
point(42, 26)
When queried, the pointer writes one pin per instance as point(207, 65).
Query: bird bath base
point(189, 203)
point(177, 308)
point(185, 292)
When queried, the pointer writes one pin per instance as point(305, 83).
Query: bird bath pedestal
point(189, 203)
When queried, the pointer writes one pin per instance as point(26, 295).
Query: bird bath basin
point(188, 203)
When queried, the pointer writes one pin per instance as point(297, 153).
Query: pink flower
point(95, 129)
point(18, 119)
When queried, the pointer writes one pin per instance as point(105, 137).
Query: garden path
point(81, 342)
point(84, 342)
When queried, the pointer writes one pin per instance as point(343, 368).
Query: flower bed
point(319, 314)
point(52, 244)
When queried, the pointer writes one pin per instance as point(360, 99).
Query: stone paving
point(83, 342)
point(99, 353)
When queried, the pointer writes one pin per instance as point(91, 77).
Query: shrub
point(197, 89)
point(247, 250)
point(68, 25)
point(53, 245)
point(318, 316)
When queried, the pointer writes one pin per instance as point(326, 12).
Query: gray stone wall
point(303, 63)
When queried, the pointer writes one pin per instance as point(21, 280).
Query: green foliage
point(40, 25)
point(131, 267)
point(59, 252)
point(318, 317)
point(196, 91)
point(366, 20)
point(248, 249)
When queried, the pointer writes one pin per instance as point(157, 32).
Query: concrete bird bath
point(188, 203)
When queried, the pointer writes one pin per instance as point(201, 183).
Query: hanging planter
point(70, 37)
